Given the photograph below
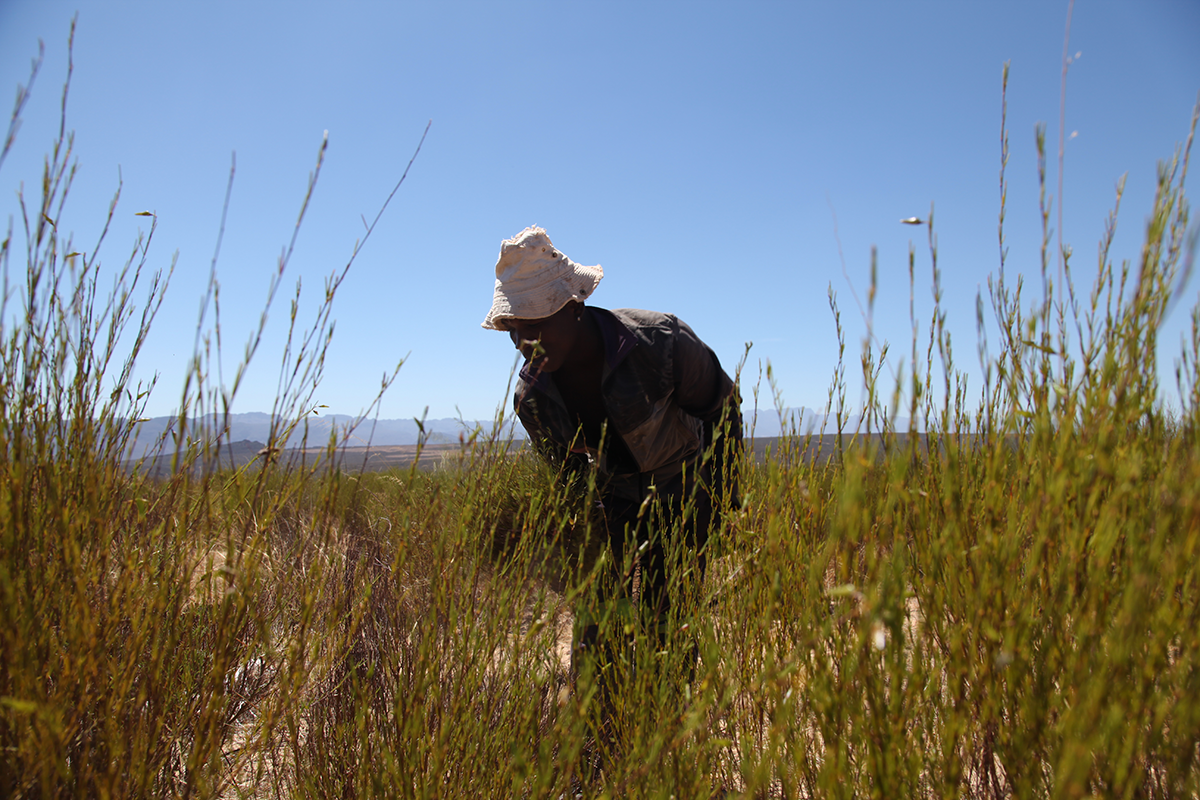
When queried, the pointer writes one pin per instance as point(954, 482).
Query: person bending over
point(634, 395)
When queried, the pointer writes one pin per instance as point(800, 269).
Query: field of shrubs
point(1006, 606)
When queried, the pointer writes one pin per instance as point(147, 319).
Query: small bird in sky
point(913, 221)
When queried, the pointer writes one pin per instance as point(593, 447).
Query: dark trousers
point(656, 558)
point(668, 537)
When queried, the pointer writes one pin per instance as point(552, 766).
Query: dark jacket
point(666, 397)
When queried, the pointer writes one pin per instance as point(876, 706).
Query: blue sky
point(700, 152)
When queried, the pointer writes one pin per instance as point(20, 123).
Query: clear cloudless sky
point(710, 156)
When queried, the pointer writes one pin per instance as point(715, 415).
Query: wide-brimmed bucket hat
point(534, 279)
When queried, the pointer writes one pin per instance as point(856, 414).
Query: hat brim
point(538, 299)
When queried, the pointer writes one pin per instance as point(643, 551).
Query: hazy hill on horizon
point(255, 426)
point(315, 431)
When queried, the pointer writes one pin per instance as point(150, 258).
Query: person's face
point(547, 343)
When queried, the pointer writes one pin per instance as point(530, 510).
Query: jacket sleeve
point(705, 391)
point(551, 451)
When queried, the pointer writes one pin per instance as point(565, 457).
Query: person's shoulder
point(657, 328)
point(652, 329)
point(641, 318)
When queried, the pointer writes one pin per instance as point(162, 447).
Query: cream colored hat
point(534, 279)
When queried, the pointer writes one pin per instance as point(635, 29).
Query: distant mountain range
point(316, 430)
point(256, 427)
point(770, 423)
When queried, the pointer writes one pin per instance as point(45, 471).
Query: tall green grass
point(1005, 607)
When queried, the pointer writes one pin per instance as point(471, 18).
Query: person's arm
point(705, 391)
point(570, 465)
